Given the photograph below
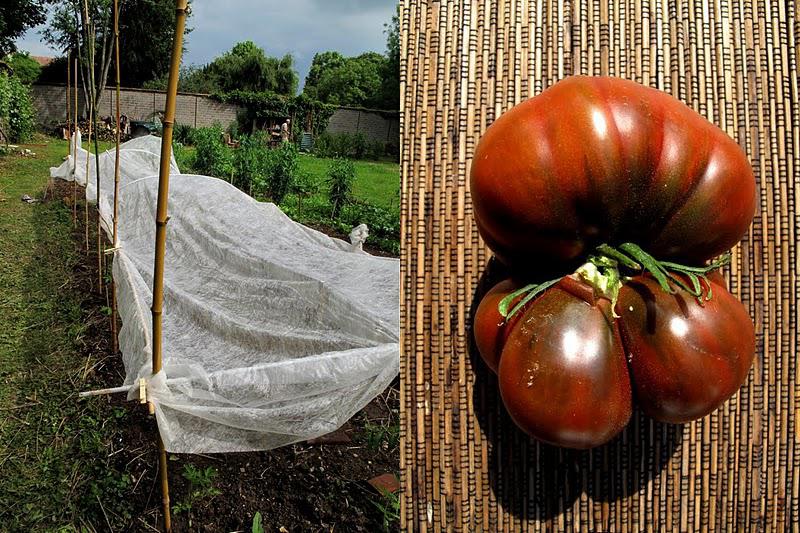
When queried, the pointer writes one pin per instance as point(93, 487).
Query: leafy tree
point(16, 16)
point(321, 63)
point(357, 82)
point(16, 109)
point(25, 68)
point(146, 29)
point(368, 80)
point(145, 39)
point(246, 67)
point(391, 68)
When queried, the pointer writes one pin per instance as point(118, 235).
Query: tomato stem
point(602, 272)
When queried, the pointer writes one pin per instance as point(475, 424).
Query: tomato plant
point(641, 192)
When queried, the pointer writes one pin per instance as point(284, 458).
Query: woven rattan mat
point(464, 465)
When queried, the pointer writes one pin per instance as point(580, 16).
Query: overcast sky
point(299, 27)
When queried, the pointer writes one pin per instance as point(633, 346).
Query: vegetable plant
point(611, 203)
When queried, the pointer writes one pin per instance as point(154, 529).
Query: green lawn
point(55, 468)
point(376, 182)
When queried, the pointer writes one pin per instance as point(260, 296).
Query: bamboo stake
point(89, 138)
point(86, 200)
point(75, 146)
point(93, 103)
point(161, 225)
point(116, 177)
point(69, 125)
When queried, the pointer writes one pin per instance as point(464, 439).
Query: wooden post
point(114, 341)
point(161, 224)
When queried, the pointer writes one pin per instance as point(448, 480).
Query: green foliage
point(322, 62)
point(25, 68)
point(212, 156)
point(282, 170)
point(257, 525)
point(341, 175)
point(16, 109)
point(350, 145)
point(356, 82)
point(391, 68)
point(264, 107)
point(201, 487)
point(383, 223)
point(369, 80)
point(389, 507)
point(184, 157)
point(146, 29)
point(381, 437)
point(251, 163)
point(16, 16)
point(182, 133)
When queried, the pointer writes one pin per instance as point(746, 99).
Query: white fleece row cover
point(273, 332)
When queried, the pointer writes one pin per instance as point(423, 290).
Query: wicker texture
point(464, 465)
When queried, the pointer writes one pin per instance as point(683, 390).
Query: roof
point(43, 60)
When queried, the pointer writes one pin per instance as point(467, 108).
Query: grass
point(377, 182)
point(54, 449)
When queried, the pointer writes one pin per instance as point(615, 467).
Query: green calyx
point(603, 272)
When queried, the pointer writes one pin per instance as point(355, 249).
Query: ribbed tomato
point(595, 160)
point(685, 358)
point(563, 376)
point(628, 183)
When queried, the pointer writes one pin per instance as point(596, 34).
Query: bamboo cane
point(69, 125)
point(89, 127)
point(86, 200)
point(161, 225)
point(115, 244)
point(75, 146)
point(93, 102)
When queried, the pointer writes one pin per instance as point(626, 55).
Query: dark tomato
point(563, 376)
point(595, 160)
point(685, 359)
point(489, 327)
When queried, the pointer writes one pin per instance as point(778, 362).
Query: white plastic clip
point(109, 251)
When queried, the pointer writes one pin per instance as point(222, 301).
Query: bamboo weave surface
point(464, 466)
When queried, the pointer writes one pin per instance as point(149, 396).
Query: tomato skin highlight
point(563, 376)
point(489, 327)
point(595, 160)
point(685, 359)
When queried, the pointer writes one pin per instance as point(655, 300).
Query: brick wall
point(381, 126)
point(199, 110)
point(138, 104)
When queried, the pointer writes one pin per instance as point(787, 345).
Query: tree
point(25, 68)
point(146, 29)
point(321, 63)
point(356, 82)
point(145, 39)
point(73, 26)
point(246, 67)
point(391, 68)
point(16, 16)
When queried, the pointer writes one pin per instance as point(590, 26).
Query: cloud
point(300, 27)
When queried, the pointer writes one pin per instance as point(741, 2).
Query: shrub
point(349, 145)
point(213, 157)
point(281, 171)
point(341, 175)
point(304, 186)
point(183, 157)
point(16, 109)
point(251, 163)
point(183, 133)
